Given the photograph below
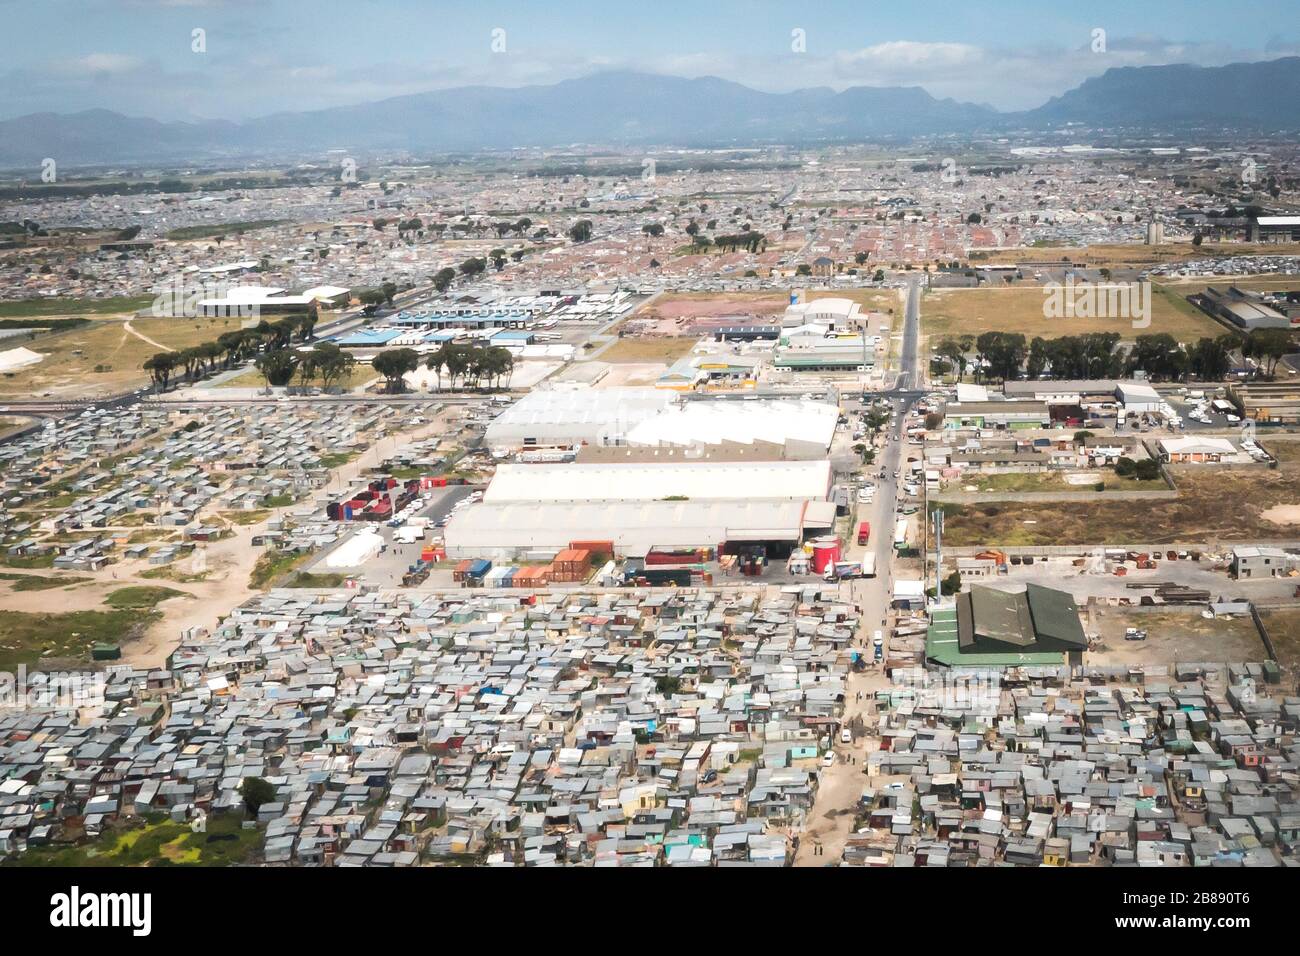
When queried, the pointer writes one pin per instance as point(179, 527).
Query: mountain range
point(626, 109)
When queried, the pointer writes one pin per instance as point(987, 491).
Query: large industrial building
point(660, 481)
point(1244, 309)
point(504, 532)
point(653, 418)
point(639, 506)
point(989, 627)
point(786, 428)
point(554, 417)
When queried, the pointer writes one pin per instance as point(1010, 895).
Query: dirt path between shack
point(230, 560)
point(226, 562)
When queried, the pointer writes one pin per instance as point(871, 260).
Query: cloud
point(247, 74)
point(99, 65)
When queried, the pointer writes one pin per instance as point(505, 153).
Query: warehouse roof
point(1038, 618)
point(665, 523)
point(576, 414)
point(657, 481)
point(1193, 445)
point(713, 422)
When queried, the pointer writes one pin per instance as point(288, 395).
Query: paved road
point(829, 823)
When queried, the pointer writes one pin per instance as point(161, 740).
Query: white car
point(846, 737)
point(1233, 418)
point(828, 760)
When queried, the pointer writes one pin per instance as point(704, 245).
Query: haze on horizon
point(265, 56)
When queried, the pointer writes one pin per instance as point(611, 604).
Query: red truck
point(864, 532)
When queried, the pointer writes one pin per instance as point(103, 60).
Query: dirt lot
point(1172, 636)
point(1284, 630)
point(1212, 504)
point(637, 350)
point(1020, 309)
point(1051, 481)
point(118, 347)
point(693, 305)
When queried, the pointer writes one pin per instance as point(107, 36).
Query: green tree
point(277, 366)
point(256, 792)
point(160, 367)
point(393, 365)
point(443, 279)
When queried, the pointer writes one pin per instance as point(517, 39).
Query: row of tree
point(326, 363)
point(229, 348)
point(1004, 355)
point(472, 365)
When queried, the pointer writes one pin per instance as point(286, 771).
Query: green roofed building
point(994, 628)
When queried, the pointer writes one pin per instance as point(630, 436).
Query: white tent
point(11, 359)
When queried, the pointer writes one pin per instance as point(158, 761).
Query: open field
point(1020, 309)
point(1173, 636)
point(634, 350)
point(1051, 481)
point(1133, 254)
point(40, 582)
point(1212, 504)
point(1284, 630)
point(154, 840)
point(22, 308)
point(223, 229)
point(674, 305)
point(72, 358)
point(29, 638)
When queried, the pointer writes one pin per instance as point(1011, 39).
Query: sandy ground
point(1172, 636)
point(1282, 514)
point(632, 373)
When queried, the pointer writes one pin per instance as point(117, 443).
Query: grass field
point(22, 308)
point(141, 596)
point(1212, 504)
point(272, 565)
point(1020, 309)
point(648, 350)
point(71, 358)
point(27, 638)
point(40, 582)
point(306, 579)
point(223, 229)
point(156, 841)
point(1133, 254)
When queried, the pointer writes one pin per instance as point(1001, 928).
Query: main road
point(830, 820)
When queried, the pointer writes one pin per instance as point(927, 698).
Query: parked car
point(828, 760)
point(845, 736)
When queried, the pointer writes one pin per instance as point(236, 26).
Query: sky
point(259, 57)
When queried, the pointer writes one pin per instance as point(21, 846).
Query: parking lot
point(386, 568)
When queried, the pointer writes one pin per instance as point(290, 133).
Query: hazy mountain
point(623, 108)
point(1239, 95)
